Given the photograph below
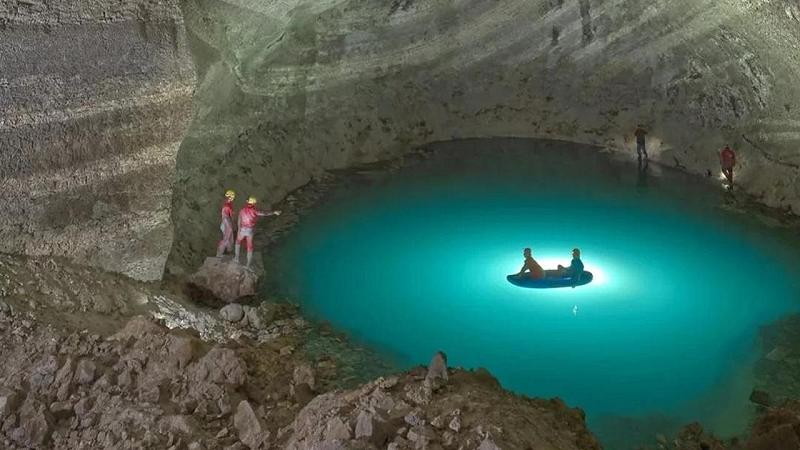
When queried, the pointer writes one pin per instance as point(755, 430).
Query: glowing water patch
point(420, 264)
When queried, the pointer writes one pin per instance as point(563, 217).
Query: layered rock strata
point(95, 98)
point(289, 89)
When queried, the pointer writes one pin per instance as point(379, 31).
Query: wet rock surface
point(777, 370)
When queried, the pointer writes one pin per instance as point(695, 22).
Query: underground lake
point(416, 260)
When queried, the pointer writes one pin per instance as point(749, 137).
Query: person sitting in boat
point(534, 270)
point(575, 268)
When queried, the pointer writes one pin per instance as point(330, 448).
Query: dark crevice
point(586, 21)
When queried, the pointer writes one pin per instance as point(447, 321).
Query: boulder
point(253, 317)
point(364, 425)
point(35, 425)
point(337, 430)
point(302, 394)
point(303, 373)
point(220, 365)
point(249, 428)
point(232, 312)
point(760, 397)
point(455, 424)
point(226, 280)
point(85, 371)
point(488, 444)
point(9, 401)
point(62, 410)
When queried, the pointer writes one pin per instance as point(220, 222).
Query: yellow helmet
point(230, 194)
point(252, 201)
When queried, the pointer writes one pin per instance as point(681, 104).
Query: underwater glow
point(417, 263)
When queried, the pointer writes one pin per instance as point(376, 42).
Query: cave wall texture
point(95, 98)
point(289, 88)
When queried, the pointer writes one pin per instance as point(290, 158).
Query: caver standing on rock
point(640, 133)
point(226, 243)
point(727, 159)
point(248, 217)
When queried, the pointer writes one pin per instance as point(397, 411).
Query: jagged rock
point(437, 370)
point(249, 428)
point(303, 373)
point(138, 327)
point(219, 365)
point(179, 351)
point(448, 437)
point(364, 425)
point(83, 407)
point(232, 312)
point(253, 318)
point(488, 444)
point(181, 424)
point(35, 424)
point(44, 374)
point(778, 428)
point(9, 401)
point(336, 429)
point(760, 397)
point(63, 379)
point(455, 424)
point(302, 393)
point(85, 371)
point(413, 418)
point(226, 280)
point(419, 393)
point(777, 354)
point(389, 382)
point(437, 422)
point(62, 410)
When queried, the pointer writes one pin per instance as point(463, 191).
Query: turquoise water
point(417, 262)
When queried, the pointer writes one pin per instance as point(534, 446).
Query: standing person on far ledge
point(640, 133)
point(727, 159)
point(248, 216)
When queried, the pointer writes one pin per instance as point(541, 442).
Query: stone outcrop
point(227, 280)
point(95, 97)
point(291, 89)
point(469, 412)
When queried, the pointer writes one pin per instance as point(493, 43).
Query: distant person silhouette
point(640, 134)
point(727, 160)
point(534, 270)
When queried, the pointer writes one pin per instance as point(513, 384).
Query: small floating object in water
point(575, 310)
point(546, 283)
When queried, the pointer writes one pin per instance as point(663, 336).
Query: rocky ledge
point(146, 369)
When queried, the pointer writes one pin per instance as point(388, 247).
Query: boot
point(236, 254)
point(249, 258)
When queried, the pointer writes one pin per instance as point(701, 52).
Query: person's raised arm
point(263, 213)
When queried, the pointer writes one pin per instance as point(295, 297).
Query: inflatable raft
point(550, 282)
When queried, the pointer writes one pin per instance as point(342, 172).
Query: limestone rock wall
point(293, 87)
point(95, 98)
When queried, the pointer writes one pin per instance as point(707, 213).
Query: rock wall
point(95, 97)
point(291, 88)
